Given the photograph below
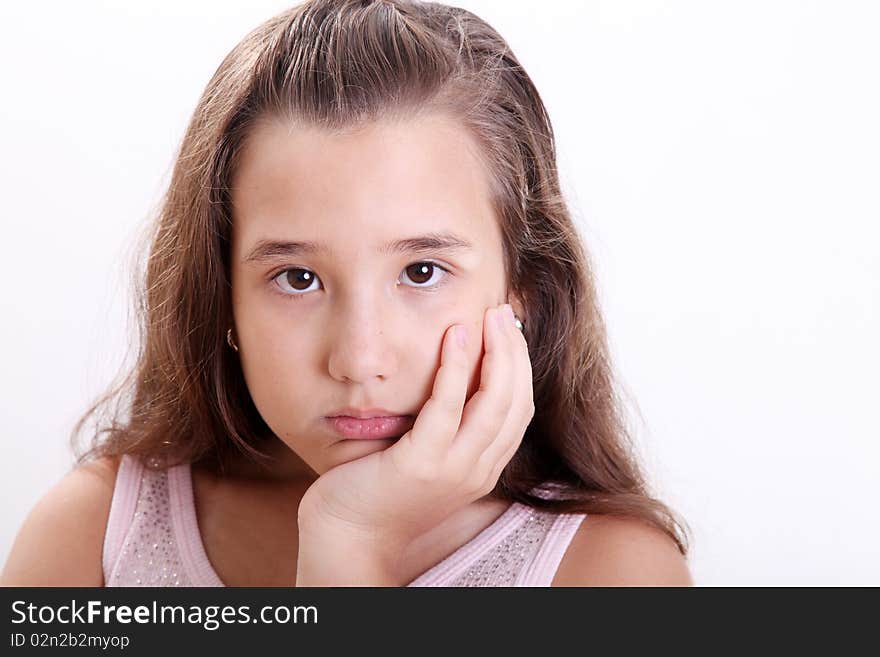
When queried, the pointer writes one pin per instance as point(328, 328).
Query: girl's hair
point(338, 65)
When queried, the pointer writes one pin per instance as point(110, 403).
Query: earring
point(518, 323)
point(229, 339)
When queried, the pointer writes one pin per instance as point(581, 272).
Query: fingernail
point(508, 310)
point(461, 335)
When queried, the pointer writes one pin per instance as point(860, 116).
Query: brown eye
point(296, 279)
point(299, 279)
point(420, 272)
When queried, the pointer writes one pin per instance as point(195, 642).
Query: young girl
point(372, 352)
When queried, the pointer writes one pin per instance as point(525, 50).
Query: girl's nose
point(360, 346)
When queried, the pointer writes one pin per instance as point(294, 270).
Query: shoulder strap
point(543, 567)
point(122, 506)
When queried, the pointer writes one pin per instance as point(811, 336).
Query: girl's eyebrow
point(428, 243)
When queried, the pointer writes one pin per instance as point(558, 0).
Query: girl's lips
point(370, 428)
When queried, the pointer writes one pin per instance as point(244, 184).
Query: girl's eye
point(296, 279)
point(421, 272)
point(295, 282)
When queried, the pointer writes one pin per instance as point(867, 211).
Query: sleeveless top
point(153, 539)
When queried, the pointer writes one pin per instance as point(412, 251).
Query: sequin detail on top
point(506, 561)
point(523, 547)
point(153, 539)
point(149, 555)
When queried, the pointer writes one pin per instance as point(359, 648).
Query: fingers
point(486, 412)
point(439, 419)
point(502, 445)
point(479, 435)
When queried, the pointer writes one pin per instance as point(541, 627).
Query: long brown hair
point(337, 64)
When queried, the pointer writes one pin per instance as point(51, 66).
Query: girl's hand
point(453, 455)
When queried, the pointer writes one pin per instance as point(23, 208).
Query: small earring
point(229, 340)
point(518, 323)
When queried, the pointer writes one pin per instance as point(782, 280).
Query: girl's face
point(341, 289)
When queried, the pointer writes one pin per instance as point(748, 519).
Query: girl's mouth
point(373, 428)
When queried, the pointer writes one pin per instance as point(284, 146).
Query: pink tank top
point(153, 539)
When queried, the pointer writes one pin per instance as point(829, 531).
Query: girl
point(372, 352)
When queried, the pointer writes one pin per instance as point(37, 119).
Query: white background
point(722, 159)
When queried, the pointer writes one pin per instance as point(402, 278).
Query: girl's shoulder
point(609, 550)
point(72, 513)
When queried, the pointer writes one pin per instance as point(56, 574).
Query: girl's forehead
point(383, 182)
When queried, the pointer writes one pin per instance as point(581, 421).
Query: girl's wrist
point(329, 555)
